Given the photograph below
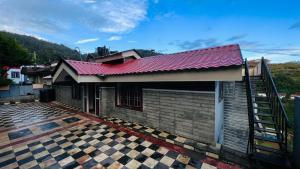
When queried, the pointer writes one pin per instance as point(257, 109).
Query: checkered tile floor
point(76, 140)
point(93, 145)
point(10, 115)
point(178, 140)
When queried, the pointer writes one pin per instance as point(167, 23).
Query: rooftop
point(208, 58)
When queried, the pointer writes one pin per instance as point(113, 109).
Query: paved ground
point(39, 135)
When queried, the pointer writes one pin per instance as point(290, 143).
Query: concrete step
point(264, 122)
point(267, 149)
point(265, 130)
point(264, 114)
point(267, 139)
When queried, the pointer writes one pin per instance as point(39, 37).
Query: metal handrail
point(278, 110)
point(250, 148)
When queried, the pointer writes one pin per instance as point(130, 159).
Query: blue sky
point(269, 28)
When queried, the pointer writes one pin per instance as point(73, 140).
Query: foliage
point(285, 83)
point(5, 82)
point(11, 53)
point(46, 51)
point(286, 76)
point(147, 53)
point(289, 108)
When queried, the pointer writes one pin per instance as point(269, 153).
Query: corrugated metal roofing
point(214, 57)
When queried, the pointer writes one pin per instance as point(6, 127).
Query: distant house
point(15, 75)
point(36, 74)
point(186, 93)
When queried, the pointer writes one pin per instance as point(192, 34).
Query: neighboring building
point(47, 80)
point(35, 74)
point(15, 75)
point(187, 93)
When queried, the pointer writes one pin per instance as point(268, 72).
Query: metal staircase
point(268, 122)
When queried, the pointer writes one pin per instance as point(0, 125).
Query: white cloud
point(89, 1)
point(132, 41)
point(52, 17)
point(274, 55)
point(82, 41)
point(114, 38)
point(166, 15)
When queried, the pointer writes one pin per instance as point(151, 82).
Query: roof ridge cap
point(189, 51)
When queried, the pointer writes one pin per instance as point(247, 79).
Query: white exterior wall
point(219, 114)
point(15, 80)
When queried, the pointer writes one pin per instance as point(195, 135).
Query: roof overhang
point(233, 73)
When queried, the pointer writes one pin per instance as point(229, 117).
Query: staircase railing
point(249, 90)
point(281, 119)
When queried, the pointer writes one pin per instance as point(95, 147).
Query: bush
point(5, 82)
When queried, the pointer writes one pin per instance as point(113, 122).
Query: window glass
point(15, 74)
point(129, 96)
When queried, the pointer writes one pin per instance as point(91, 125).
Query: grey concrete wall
point(16, 90)
point(236, 125)
point(186, 113)
point(64, 95)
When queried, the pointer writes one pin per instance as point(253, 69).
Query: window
point(129, 96)
point(76, 92)
point(15, 74)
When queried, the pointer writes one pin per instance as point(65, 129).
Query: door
point(97, 100)
point(85, 98)
point(91, 96)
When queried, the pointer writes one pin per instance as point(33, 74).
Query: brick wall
point(236, 123)
point(186, 113)
point(64, 95)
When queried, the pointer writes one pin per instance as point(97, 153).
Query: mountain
point(45, 51)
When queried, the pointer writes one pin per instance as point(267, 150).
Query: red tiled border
point(219, 164)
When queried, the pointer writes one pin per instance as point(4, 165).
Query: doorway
point(91, 99)
point(91, 95)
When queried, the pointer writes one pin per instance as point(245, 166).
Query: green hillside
point(46, 51)
point(286, 76)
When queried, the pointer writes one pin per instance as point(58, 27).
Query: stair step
point(278, 160)
point(267, 149)
point(263, 138)
point(264, 122)
point(262, 108)
point(262, 102)
point(260, 98)
point(265, 130)
point(264, 114)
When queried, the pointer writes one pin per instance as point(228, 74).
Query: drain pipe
point(296, 147)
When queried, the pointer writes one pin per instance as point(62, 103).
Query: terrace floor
point(47, 135)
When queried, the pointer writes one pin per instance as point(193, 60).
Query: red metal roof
point(215, 57)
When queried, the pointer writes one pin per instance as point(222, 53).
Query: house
point(183, 93)
point(35, 74)
point(15, 75)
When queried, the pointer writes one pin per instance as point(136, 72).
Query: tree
point(285, 83)
point(11, 54)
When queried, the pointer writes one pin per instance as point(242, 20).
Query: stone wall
point(63, 94)
point(186, 113)
point(236, 123)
